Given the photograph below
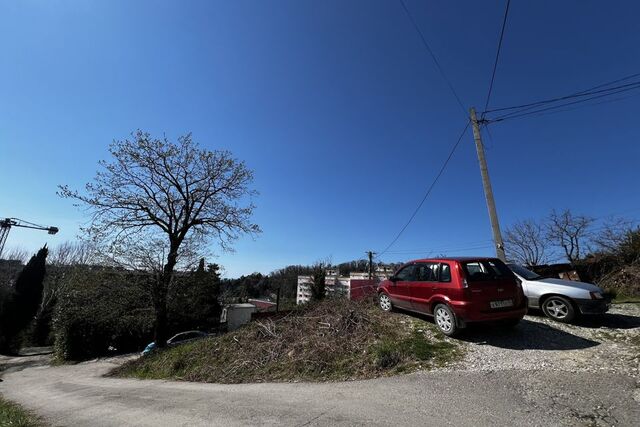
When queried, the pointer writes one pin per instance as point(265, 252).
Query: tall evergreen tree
point(22, 306)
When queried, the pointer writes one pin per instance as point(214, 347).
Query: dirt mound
point(334, 340)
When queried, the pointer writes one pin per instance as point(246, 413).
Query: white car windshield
point(523, 272)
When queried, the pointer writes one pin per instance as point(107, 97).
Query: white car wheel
point(558, 308)
point(445, 320)
point(385, 302)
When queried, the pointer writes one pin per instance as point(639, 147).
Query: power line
point(495, 64)
point(459, 249)
point(583, 93)
point(466, 244)
point(444, 166)
point(539, 114)
point(523, 113)
point(433, 56)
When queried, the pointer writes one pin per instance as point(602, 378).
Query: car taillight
point(595, 295)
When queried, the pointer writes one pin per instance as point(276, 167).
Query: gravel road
point(609, 343)
point(541, 373)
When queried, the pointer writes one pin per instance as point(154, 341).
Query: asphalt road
point(78, 395)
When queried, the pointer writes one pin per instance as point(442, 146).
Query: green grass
point(15, 416)
point(334, 341)
point(621, 299)
point(391, 354)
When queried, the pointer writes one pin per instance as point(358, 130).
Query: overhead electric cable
point(522, 113)
point(495, 63)
point(433, 56)
point(444, 166)
point(583, 93)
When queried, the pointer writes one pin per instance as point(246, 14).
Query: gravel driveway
point(609, 343)
point(542, 373)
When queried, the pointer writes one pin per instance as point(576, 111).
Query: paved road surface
point(77, 395)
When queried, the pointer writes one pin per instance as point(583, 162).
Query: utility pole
point(371, 254)
point(488, 192)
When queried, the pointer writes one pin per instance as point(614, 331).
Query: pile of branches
point(327, 340)
point(335, 339)
point(623, 281)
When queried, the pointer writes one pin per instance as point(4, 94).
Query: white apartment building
point(332, 281)
point(338, 284)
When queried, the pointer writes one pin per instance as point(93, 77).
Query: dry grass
point(624, 283)
point(334, 340)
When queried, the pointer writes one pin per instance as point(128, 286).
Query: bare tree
point(612, 234)
point(172, 197)
point(71, 253)
point(569, 232)
point(60, 261)
point(17, 253)
point(527, 243)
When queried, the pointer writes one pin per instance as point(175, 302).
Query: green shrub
point(101, 311)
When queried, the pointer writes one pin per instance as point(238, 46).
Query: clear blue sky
point(335, 105)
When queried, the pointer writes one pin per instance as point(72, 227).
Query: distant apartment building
point(354, 286)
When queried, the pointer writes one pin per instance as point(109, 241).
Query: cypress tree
point(22, 306)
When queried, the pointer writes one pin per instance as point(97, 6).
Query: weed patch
point(14, 415)
point(334, 340)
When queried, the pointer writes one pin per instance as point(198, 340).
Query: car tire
point(559, 309)
point(384, 301)
point(445, 320)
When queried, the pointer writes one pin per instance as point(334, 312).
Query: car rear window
point(486, 270)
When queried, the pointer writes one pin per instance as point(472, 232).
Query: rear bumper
point(468, 313)
point(591, 306)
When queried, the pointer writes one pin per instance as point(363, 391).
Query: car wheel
point(559, 308)
point(445, 320)
point(385, 302)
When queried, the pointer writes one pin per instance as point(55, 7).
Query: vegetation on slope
point(13, 415)
point(333, 340)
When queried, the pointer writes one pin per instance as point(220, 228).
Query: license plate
point(501, 304)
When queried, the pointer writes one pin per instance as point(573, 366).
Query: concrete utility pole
point(488, 192)
point(371, 254)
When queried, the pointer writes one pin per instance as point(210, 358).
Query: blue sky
point(335, 105)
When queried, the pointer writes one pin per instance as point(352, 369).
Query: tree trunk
point(160, 333)
point(160, 298)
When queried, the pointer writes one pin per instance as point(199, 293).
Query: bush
point(102, 311)
point(193, 300)
point(623, 281)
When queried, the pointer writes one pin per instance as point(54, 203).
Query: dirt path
point(541, 373)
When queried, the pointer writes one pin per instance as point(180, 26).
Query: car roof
point(188, 332)
point(458, 258)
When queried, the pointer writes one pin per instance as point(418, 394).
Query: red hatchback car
point(456, 291)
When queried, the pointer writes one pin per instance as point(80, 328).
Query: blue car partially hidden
point(181, 338)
